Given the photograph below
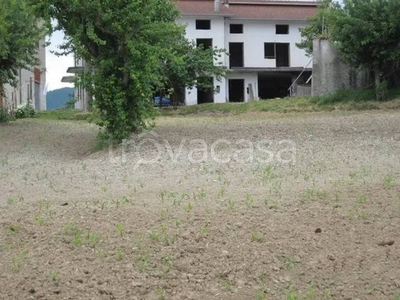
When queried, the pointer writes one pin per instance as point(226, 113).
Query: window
point(206, 43)
point(278, 51)
point(269, 50)
point(236, 28)
point(203, 24)
point(282, 29)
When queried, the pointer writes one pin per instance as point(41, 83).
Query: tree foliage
point(366, 33)
point(186, 64)
point(20, 33)
point(133, 47)
point(318, 26)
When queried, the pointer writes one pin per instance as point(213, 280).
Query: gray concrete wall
point(330, 73)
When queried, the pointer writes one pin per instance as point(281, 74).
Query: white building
point(31, 85)
point(260, 36)
point(81, 95)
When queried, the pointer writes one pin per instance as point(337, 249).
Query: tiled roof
point(274, 12)
point(201, 7)
point(252, 9)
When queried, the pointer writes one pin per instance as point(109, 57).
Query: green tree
point(130, 45)
point(20, 33)
point(186, 63)
point(318, 26)
point(367, 34)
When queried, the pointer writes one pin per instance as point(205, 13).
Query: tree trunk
point(1, 95)
point(380, 88)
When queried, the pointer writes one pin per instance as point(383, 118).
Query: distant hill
point(58, 98)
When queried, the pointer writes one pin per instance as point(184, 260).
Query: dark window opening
point(236, 90)
point(207, 43)
point(282, 29)
point(236, 28)
point(205, 90)
point(203, 24)
point(282, 54)
point(269, 50)
point(236, 55)
point(279, 52)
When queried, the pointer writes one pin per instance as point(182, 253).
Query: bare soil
point(81, 224)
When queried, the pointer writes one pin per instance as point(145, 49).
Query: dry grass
point(79, 224)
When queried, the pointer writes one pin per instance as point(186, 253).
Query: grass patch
point(349, 99)
point(63, 114)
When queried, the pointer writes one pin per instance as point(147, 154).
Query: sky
point(56, 67)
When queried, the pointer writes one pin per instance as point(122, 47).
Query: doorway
point(282, 55)
point(236, 59)
point(236, 90)
point(205, 90)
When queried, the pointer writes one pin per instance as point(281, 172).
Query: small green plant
point(178, 222)
point(260, 295)
point(231, 204)
point(352, 175)
point(44, 204)
point(256, 238)
point(24, 111)
point(362, 199)
point(13, 228)
point(292, 295)
point(143, 263)
point(221, 192)
point(311, 293)
point(205, 230)
point(92, 239)
point(154, 236)
point(167, 260)
point(163, 195)
point(161, 294)
point(120, 254)
point(289, 260)
point(188, 208)
point(226, 285)
point(120, 228)
point(40, 220)
point(388, 181)
point(77, 240)
point(10, 201)
point(18, 260)
point(249, 200)
point(55, 276)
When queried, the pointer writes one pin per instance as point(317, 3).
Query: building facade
point(31, 86)
point(81, 95)
point(260, 37)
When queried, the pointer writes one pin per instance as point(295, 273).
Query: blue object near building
point(165, 101)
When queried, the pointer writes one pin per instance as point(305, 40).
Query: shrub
point(24, 111)
point(4, 116)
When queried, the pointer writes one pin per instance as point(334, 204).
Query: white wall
point(255, 34)
point(217, 34)
point(258, 32)
point(249, 78)
point(20, 93)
